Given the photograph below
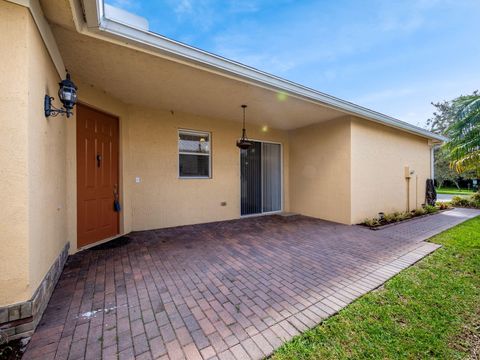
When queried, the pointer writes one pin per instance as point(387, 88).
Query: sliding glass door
point(261, 178)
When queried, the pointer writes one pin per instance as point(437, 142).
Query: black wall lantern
point(243, 143)
point(67, 95)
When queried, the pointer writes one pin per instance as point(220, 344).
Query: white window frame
point(194, 132)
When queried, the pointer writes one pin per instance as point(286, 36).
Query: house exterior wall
point(379, 157)
point(46, 163)
point(14, 254)
point(32, 160)
point(342, 170)
point(320, 159)
point(162, 199)
point(149, 150)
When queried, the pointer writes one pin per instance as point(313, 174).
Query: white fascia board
point(100, 25)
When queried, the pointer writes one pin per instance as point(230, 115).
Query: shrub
point(372, 222)
point(403, 216)
point(430, 209)
point(462, 201)
point(389, 217)
point(476, 197)
point(443, 205)
point(419, 212)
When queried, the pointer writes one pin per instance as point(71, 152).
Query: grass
point(454, 191)
point(431, 310)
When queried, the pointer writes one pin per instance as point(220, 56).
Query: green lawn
point(431, 310)
point(454, 191)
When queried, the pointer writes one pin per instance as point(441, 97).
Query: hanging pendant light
point(243, 143)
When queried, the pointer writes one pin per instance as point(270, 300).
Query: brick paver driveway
point(234, 289)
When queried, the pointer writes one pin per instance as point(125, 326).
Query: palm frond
point(464, 134)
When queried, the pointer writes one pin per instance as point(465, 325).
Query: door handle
point(99, 160)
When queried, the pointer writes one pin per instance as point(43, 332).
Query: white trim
point(194, 132)
point(110, 30)
point(432, 167)
point(45, 32)
point(25, 3)
point(432, 161)
point(261, 214)
point(193, 153)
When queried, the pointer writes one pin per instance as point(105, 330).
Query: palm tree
point(464, 134)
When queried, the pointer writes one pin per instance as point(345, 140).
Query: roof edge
point(97, 24)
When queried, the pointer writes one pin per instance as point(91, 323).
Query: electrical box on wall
point(408, 172)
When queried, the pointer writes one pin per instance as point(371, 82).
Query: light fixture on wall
point(243, 143)
point(67, 94)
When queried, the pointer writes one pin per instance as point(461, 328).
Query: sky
point(395, 57)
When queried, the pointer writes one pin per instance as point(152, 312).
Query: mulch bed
point(385, 224)
point(13, 350)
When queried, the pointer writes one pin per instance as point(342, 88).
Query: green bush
point(372, 222)
point(407, 215)
point(469, 202)
point(443, 205)
point(419, 212)
point(476, 197)
point(430, 209)
point(389, 218)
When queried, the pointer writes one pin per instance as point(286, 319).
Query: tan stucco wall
point(46, 162)
point(379, 156)
point(162, 199)
point(320, 170)
point(149, 150)
point(14, 255)
point(32, 159)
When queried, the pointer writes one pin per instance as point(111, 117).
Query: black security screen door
point(251, 179)
point(260, 178)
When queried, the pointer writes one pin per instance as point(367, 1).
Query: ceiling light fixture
point(243, 143)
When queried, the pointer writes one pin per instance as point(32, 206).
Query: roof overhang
point(90, 20)
point(97, 22)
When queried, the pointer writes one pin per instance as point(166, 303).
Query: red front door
point(97, 175)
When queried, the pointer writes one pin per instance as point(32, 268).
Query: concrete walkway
point(228, 290)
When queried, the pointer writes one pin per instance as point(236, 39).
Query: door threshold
point(262, 214)
point(99, 242)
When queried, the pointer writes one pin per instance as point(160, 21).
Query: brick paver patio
point(228, 290)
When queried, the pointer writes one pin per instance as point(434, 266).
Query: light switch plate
point(138, 180)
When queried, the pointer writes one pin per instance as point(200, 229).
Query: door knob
point(99, 160)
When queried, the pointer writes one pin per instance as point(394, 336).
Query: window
point(194, 154)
